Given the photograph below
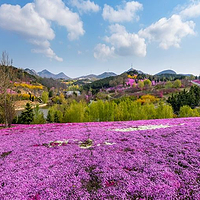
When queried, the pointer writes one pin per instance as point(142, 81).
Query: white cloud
point(28, 23)
point(125, 43)
point(49, 53)
point(25, 21)
point(85, 6)
point(103, 52)
point(168, 32)
point(40, 43)
point(191, 11)
point(43, 46)
point(33, 22)
point(122, 43)
point(127, 13)
point(116, 28)
point(55, 10)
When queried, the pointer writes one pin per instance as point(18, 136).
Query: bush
point(45, 97)
point(75, 112)
point(38, 116)
point(186, 111)
point(147, 99)
point(147, 83)
point(168, 85)
point(177, 83)
point(164, 111)
point(55, 113)
point(141, 84)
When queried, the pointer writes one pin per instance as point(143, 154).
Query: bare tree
point(6, 99)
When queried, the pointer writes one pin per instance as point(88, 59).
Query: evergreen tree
point(50, 93)
point(56, 118)
point(50, 117)
point(26, 116)
point(191, 98)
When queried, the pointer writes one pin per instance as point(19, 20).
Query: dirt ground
point(19, 105)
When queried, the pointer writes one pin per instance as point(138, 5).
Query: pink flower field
point(138, 160)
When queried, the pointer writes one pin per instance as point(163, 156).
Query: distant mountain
point(132, 69)
point(62, 75)
point(46, 74)
point(106, 74)
point(169, 71)
point(90, 76)
point(31, 71)
point(187, 74)
point(100, 76)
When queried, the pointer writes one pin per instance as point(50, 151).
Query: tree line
point(108, 111)
point(99, 111)
point(189, 98)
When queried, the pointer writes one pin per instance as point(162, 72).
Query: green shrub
point(38, 116)
point(75, 112)
point(186, 111)
point(177, 83)
point(45, 97)
point(164, 111)
point(168, 85)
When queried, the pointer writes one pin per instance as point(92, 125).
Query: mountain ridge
point(100, 76)
point(132, 69)
point(47, 74)
point(167, 71)
point(31, 71)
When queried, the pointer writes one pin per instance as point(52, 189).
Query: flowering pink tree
point(130, 82)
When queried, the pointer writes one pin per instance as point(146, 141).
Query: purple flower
point(152, 159)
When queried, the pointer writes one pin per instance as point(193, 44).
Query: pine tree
point(56, 118)
point(50, 117)
point(26, 116)
point(191, 98)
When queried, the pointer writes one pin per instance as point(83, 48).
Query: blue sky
point(79, 37)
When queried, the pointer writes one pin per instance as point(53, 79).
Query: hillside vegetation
point(129, 96)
